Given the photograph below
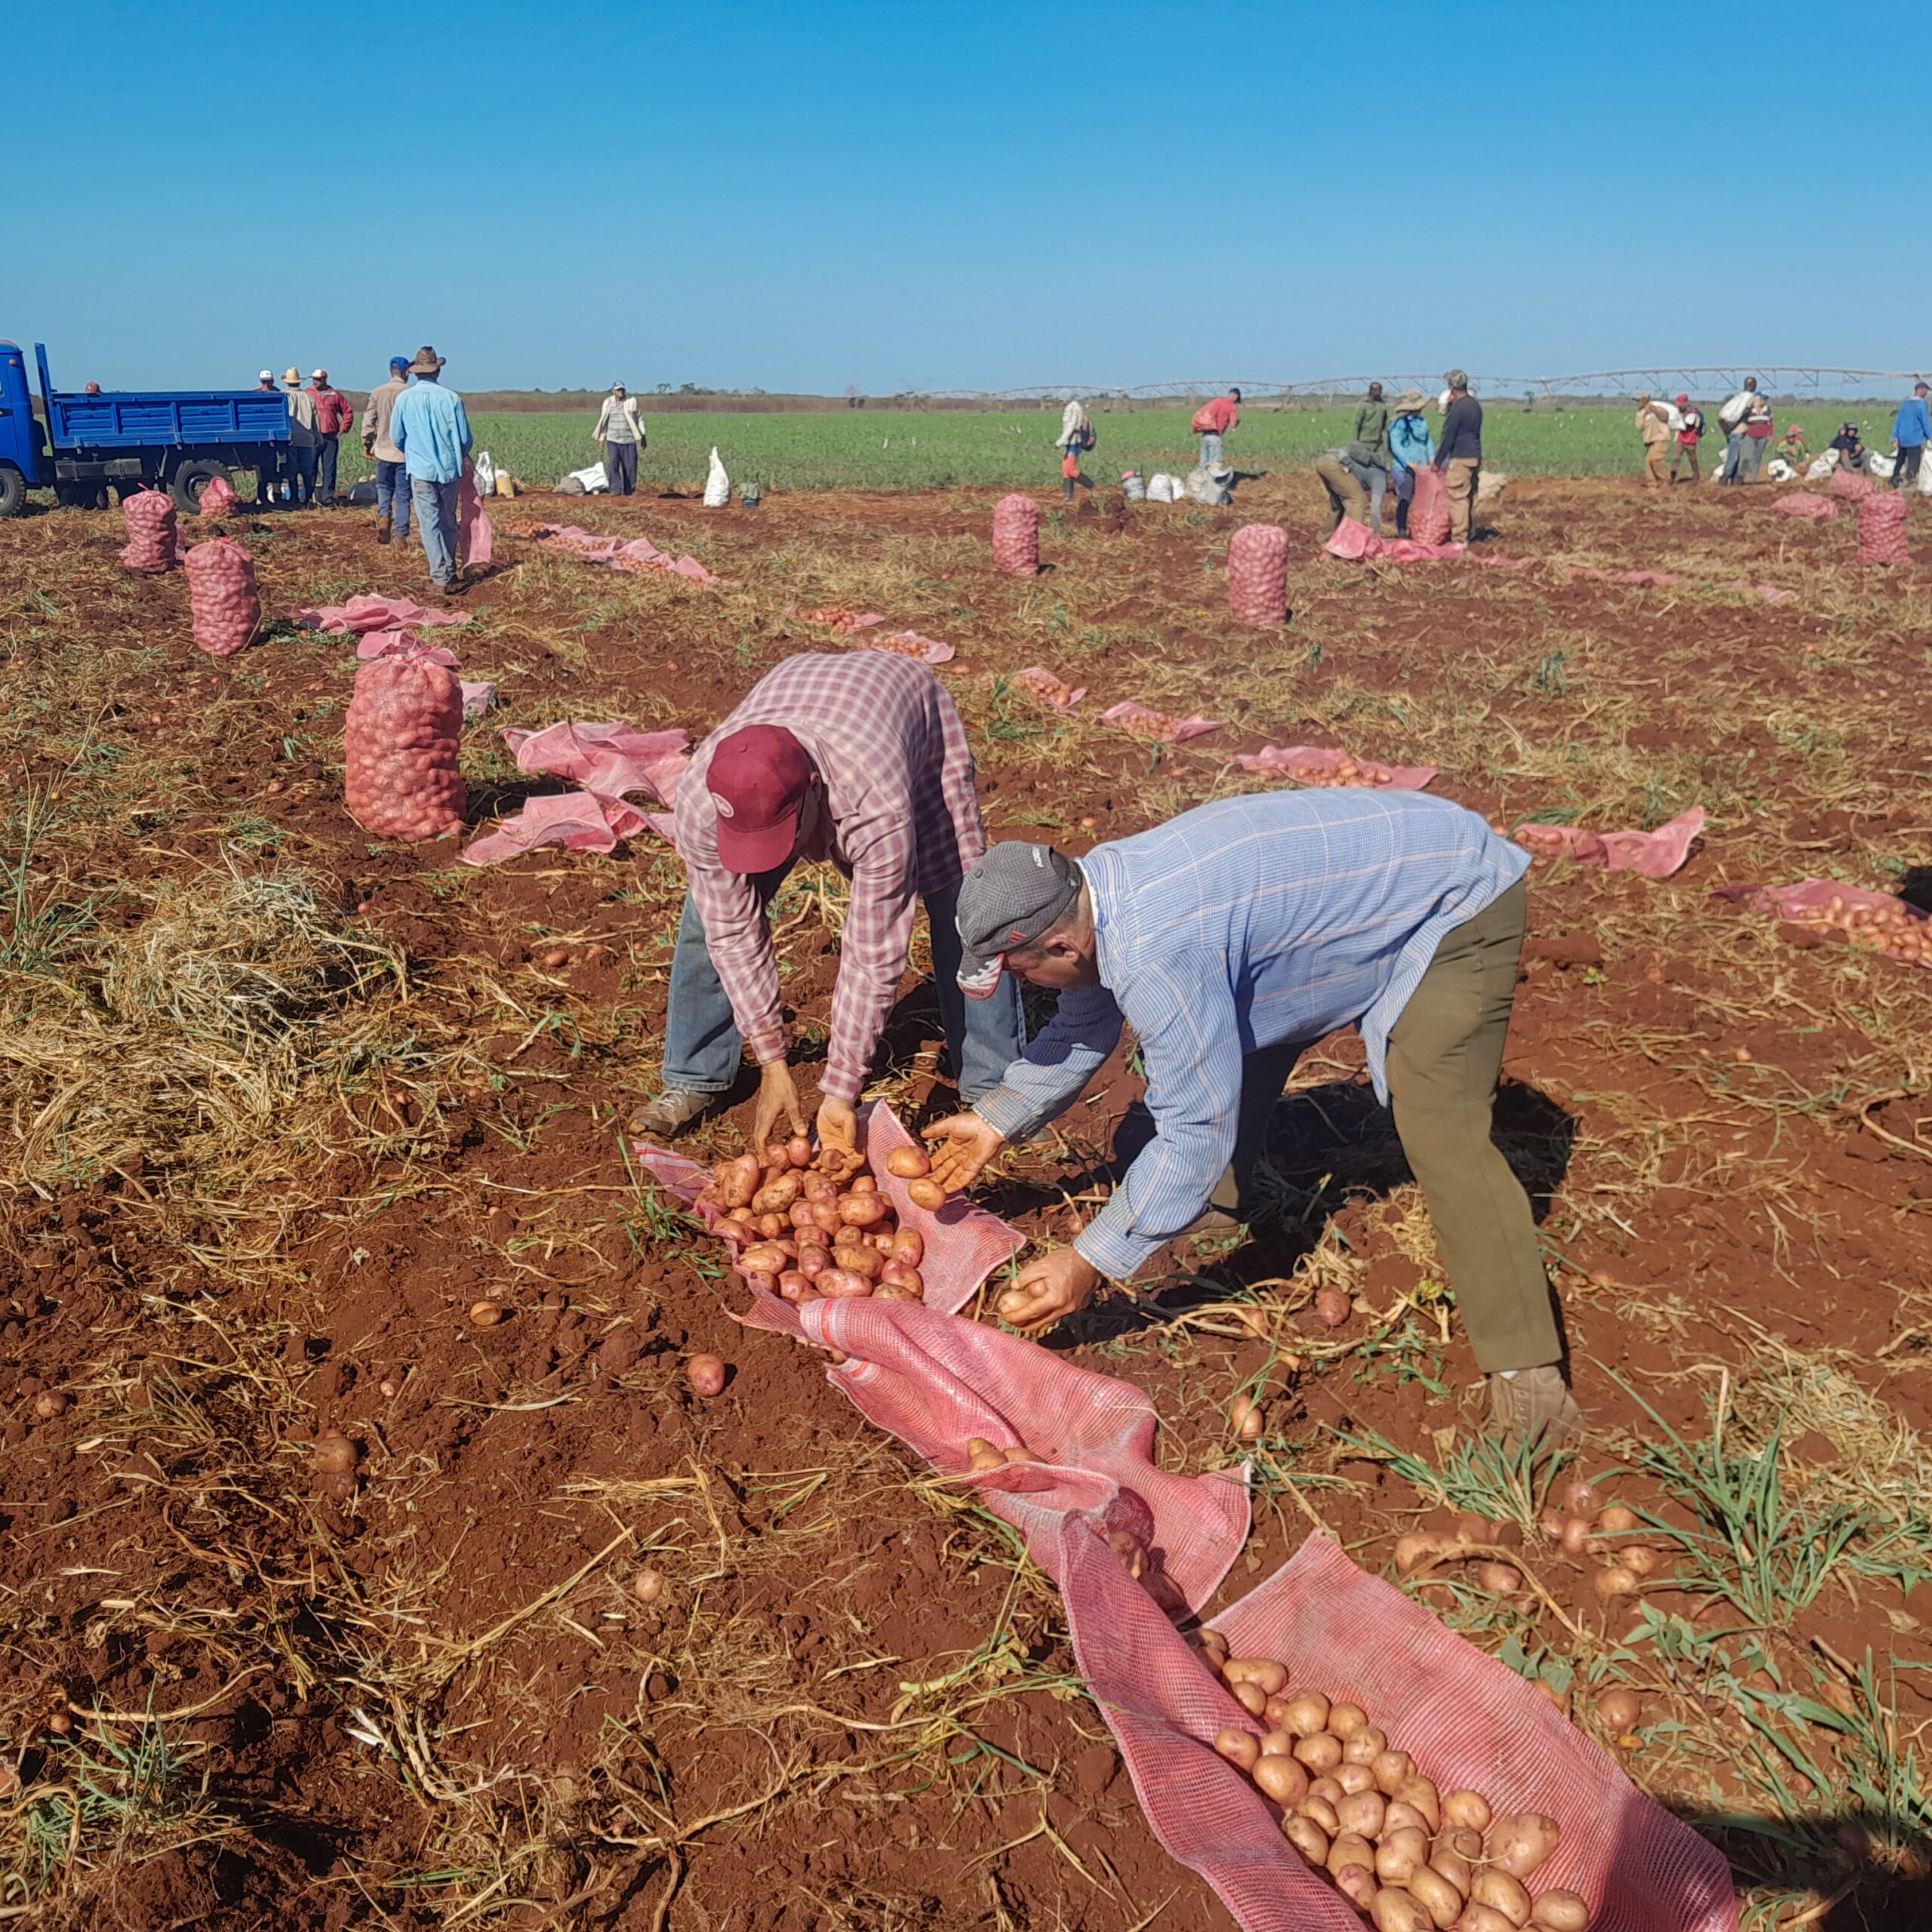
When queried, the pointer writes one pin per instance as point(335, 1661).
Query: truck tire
point(13, 490)
point(191, 478)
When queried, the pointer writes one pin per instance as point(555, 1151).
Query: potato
point(1482, 1918)
point(1365, 1744)
point(1395, 1910)
point(1351, 1779)
point(1250, 1697)
point(813, 1260)
point(861, 1210)
point(859, 1260)
point(1620, 1711)
point(1321, 1811)
point(821, 1188)
point(1639, 1559)
point(1240, 1748)
point(1615, 1581)
point(1277, 1743)
point(1306, 1836)
point(1580, 1499)
point(762, 1257)
point(777, 1196)
point(1403, 1816)
point(1468, 1809)
point(1347, 1850)
point(1246, 1420)
point(1465, 1844)
point(487, 1314)
point(1400, 1855)
point(926, 1193)
point(1281, 1779)
point(1325, 1788)
point(1437, 1895)
point(795, 1286)
point(908, 1163)
point(1561, 1912)
point(798, 1151)
point(1520, 1844)
point(1356, 1883)
point(1500, 1579)
point(335, 1453)
point(1391, 1770)
point(738, 1180)
point(1320, 1752)
point(1270, 1677)
point(759, 1282)
point(1362, 1812)
point(896, 1275)
point(862, 1184)
point(841, 1285)
point(1345, 1720)
point(1333, 1306)
point(1306, 1715)
point(1618, 1520)
point(1496, 1889)
point(1421, 1793)
point(706, 1374)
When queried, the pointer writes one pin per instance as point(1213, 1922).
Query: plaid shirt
point(892, 753)
point(1278, 917)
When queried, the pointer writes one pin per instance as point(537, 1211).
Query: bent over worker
point(1232, 939)
point(860, 759)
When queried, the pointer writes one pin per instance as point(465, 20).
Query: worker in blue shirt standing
point(1232, 939)
point(430, 426)
point(1910, 434)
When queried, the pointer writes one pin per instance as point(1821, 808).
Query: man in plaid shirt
point(1232, 939)
point(860, 758)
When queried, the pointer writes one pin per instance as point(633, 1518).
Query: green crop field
point(919, 450)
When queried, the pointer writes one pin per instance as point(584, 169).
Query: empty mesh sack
point(402, 773)
point(1428, 513)
point(221, 591)
point(149, 515)
point(217, 497)
point(1882, 529)
point(1258, 574)
point(1016, 536)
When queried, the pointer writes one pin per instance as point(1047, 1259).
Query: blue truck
point(178, 440)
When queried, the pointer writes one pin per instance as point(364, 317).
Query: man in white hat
point(305, 440)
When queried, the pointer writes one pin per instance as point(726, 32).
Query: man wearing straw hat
point(430, 426)
point(305, 439)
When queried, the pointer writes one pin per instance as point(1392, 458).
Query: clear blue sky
point(917, 195)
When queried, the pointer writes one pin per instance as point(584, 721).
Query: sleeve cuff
point(1003, 1110)
point(839, 1083)
point(1119, 1258)
point(767, 1047)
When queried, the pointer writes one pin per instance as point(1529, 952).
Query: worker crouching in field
point(1347, 495)
point(860, 759)
point(1232, 939)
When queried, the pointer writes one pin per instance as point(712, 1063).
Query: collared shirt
point(1409, 443)
point(898, 775)
point(1221, 415)
point(1913, 426)
point(333, 413)
point(1372, 428)
point(376, 414)
point(430, 426)
point(301, 432)
point(1241, 924)
point(1462, 431)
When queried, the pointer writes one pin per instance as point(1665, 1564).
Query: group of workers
point(1392, 442)
point(417, 433)
point(304, 473)
point(1749, 425)
point(1230, 938)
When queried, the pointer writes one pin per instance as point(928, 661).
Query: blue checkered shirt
point(1282, 916)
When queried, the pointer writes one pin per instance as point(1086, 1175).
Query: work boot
point(382, 530)
point(1534, 1405)
point(666, 1117)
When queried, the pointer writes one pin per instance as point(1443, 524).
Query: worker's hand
point(1045, 1290)
point(966, 1144)
point(839, 1132)
point(777, 1094)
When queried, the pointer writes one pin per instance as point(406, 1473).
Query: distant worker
point(304, 439)
point(392, 473)
point(621, 430)
point(1684, 443)
point(1732, 417)
point(1370, 469)
point(1850, 449)
point(332, 416)
point(1372, 423)
point(265, 380)
point(1213, 421)
point(1654, 425)
point(91, 388)
point(268, 472)
point(1910, 434)
point(1792, 448)
point(1077, 435)
point(430, 426)
point(1459, 455)
point(1411, 447)
point(1759, 426)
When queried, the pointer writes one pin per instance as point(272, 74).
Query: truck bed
point(144, 420)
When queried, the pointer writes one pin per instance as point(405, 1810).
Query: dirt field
point(286, 1100)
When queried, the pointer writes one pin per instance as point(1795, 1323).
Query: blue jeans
point(703, 1048)
point(301, 474)
point(393, 497)
point(1375, 481)
point(325, 454)
point(435, 520)
point(1211, 448)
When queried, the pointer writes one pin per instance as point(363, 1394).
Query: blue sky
point(978, 196)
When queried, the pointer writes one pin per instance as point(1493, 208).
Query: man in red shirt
point(332, 416)
point(1213, 421)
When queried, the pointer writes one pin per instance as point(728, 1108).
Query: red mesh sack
point(1882, 529)
point(402, 775)
point(1016, 536)
point(1848, 486)
point(1805, 503)
point(151, 549)
point(217, 498)
point(221, 591)
point(1258, 574)
point(1428, 512)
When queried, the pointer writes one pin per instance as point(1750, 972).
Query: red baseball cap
point(757, 781)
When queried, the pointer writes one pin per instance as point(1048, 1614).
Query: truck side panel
point(123, 420)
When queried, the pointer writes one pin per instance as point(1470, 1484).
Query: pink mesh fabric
point(217, 498)
point(1160, 726)
point(226, 608)
point(934, 1379)
point(402, 740)
point(1467, 1719)
point(1882, 529)
point(1849, 487)
point(1016, 536)
point(1907, 935)
point(1805, 503)
point(1356, 543)
point(149, 516)
point(1351, 541)
point(1655, 854)
point(475, 538)
point(1258, 574)
point(378, 614)
point(610, 761)
point(1314, 764)
point(1052, 690)
point(639, 554)
point(1429, 510)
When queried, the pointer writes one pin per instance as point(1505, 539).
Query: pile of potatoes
point(812, 1226)
point(1892, 928)
point(1411, 1857)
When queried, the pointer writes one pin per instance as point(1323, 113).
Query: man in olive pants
point(1459, 454)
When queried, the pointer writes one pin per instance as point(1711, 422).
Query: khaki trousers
point(1687, 454)
point(1346, 497)
point(1654, 463)
point(1459, 482)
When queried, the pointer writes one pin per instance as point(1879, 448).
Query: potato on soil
point(705, 1374)
point(1620, 1711)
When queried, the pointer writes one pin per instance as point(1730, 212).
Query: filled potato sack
point(402, 775)
point(227, 608)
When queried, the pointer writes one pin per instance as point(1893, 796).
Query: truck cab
point(178, 440)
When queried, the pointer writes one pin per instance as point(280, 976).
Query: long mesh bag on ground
point(149, 516)
point(1467, 1720)
point(217, 497)
point(1882, 529)
point(1806, 503)
point(1016, 536)
point(402, 776)
point(1848, 486)
point(1258, 574)
point(1428, 512)
point(226, 609)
